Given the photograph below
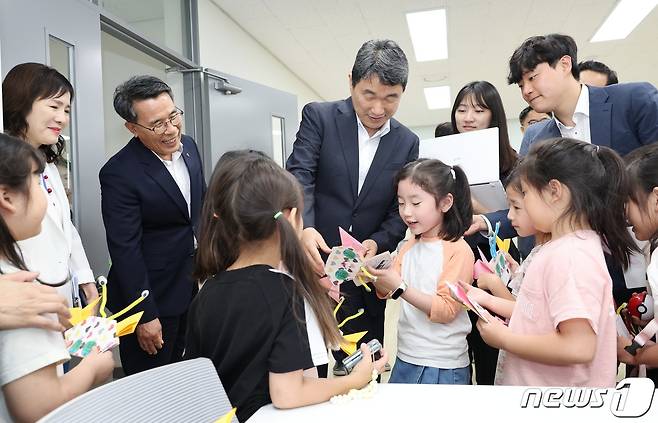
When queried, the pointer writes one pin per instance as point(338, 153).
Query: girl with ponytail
point(250, 315)
point(561, 330)
point(435, 202)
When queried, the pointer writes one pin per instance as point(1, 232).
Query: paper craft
point(380, 261)
point(226, 418)
point(92, 332)
point(497, 265)
point(79, 314)
point(347, 240)
point(346, 263)
point(89, 332)
point(492, 240)
point(503, 245)
point(460, 295)
point(342, 265)
point(351, 341)
point(501, 267)
point(481, 268)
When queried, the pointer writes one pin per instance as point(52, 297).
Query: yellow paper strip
point(503, 245)
point(347, 319)
point(79, 314)
point(226, 418)
point(128, 325)
point(349, 342)
point(131, 305)
point(103, 283)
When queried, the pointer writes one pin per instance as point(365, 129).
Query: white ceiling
point(318, 40)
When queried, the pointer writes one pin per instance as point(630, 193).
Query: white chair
point(188, 391)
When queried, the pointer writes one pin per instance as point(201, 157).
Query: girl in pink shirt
point(562, 330)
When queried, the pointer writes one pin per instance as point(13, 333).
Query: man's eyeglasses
point(161, 127)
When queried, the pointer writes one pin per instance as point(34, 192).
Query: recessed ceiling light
point(429, 34)
point(438, 97)
point(624, 18)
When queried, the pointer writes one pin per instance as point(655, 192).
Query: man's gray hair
point(140, 87)
point(383, 58)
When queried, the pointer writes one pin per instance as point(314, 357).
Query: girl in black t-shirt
point(249, 317)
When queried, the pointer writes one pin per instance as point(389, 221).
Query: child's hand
point(623, 355)
point(513, 264)
point(363, 370)
point(488, 281)
point(480, 296)
point(387, 279)
point(494, 332)
point(101, 364)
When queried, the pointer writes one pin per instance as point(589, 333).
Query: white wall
point(227, 48)
point(513, 129)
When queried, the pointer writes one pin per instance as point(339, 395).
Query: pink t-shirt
point(567, 279)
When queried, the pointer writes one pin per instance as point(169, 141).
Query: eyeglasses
point(161, 127)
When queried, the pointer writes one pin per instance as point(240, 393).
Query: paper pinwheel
point(91, 331)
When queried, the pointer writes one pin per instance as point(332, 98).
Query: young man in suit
point(622, 116)
point(152, 191)
point(345, 156)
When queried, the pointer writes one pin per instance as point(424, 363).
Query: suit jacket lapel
point(349, 140)
point(599, 116)
point(384, 150)
point(157, 170)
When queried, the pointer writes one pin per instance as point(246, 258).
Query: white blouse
point(57, 252)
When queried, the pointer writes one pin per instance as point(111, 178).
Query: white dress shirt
point(580, 117)
point(368, 147)
point(178, 170)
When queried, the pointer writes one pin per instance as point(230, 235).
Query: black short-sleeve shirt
point(243, 321)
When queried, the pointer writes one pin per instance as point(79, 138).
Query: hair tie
point(597, 148)
point(452, 172)
point(215, 216)
point(278, 214)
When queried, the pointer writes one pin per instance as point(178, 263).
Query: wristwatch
point(399, 291)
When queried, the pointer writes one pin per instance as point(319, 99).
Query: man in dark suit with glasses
point(152, 191)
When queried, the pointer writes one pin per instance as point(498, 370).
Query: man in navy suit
point(152, 191)
point(621, 116)
point(346, 156)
